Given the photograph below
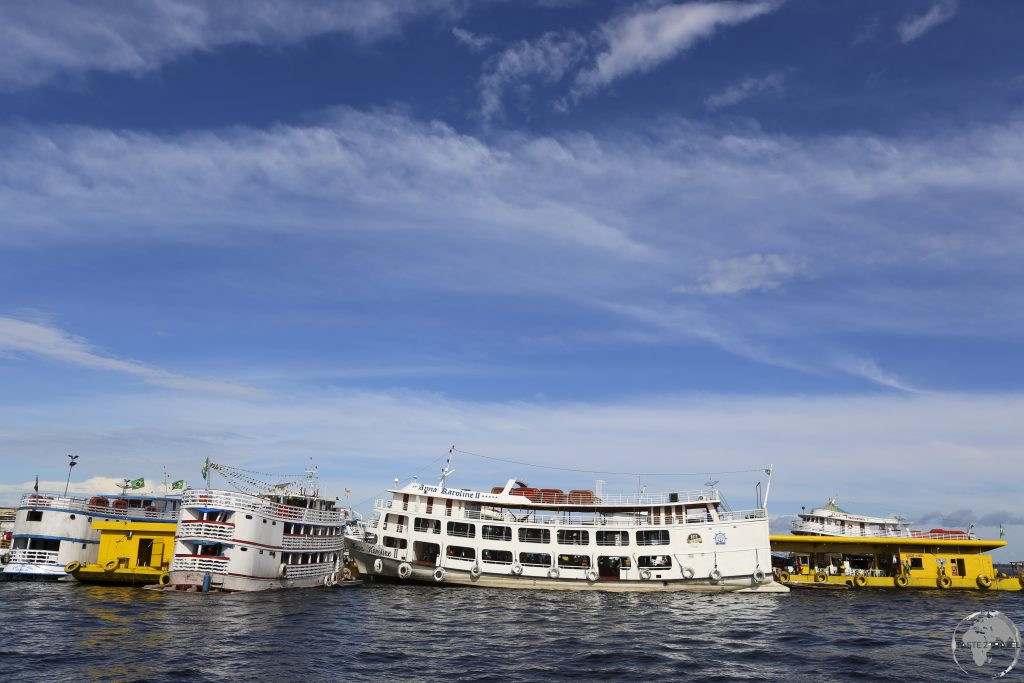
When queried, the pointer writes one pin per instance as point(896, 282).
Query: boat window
point(428, 525)
point(426, 552)
point(655, 561)
point(497, 556)
point(534, 535)
point(461, 529)
point(370, 538)
point(34, 516)
point(496, 533)
point(613, 538)
point(576, 561)
point(652, 537)
point(573, 537)
point(535, 559)
point(244, 549)
point(248, 516)
point(394, 542)
point(694, 538)
point(916, 563)
point(458, 552)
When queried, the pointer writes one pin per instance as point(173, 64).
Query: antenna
point(447, 469)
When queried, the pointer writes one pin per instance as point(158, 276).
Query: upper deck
point(310, 510)
point(142, 508)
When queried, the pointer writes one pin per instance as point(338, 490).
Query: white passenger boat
point(515, 536)
point(53, 530)
point(832, 520)
point(269, 537)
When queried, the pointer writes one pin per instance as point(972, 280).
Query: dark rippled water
point(406, 633)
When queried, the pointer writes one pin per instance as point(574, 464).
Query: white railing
point(312, 542)
point(815, 529)
point(196, 563)
point(297, 571)
point(34, 556)
point(220, 531)
point(491, 514)
point(567, 499)
point(231, 500)
point(35, 500)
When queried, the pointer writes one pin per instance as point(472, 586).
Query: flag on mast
point(36, 487)
point(138, 483)
point(178, 485)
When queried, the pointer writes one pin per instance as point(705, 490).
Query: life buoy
point(439, 574)
point(327, 580)
point(902, 581)
point(758, 575)
point(553, 573)
point(645, 574)
point(688, 573)
point(784, 577)
point(282, 571)
point(110, 566)
point(715, 575)
point(378, 565)
point(474, 571)
point(164, 579)
point(860, 580)
point(517, 568)
point(820, 577)
point(72, 567)
point(346, 574)
point(404, 570)
point(984, 581)
point(591, 575)
point(945, 582)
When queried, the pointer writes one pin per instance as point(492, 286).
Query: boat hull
point(28, 571)
point(378, 567)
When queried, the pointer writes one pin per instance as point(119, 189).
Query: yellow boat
point(131, 553)
point(939, 561)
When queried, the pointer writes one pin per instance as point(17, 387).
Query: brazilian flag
point(206, 468)
point(178, 485)
point(138, 483)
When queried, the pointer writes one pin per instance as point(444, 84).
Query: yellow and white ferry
point(516, 536)
point(832, 548)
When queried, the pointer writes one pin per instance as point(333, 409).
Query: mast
point(768, 488)
point(447, 469)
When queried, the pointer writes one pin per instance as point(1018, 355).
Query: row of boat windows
point(429, 552)
point(492, 532)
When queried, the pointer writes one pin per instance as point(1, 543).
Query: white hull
point(29, 571)
point(366, 561)
point(246, 584)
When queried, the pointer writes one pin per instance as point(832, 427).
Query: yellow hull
point(131, 553)
point(138, 576)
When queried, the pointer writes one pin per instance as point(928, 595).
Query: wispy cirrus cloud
point(773, 84)
point(66, 38)
point(914, 27)
point(23, 338)
point(475, 42)
point(641, 40)
point(750, 273)
point(545, 60)
point(867, 368)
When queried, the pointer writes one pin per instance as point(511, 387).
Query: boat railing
point(564, 518)
point(200, 563)
point(33, 556)
point(296, 571)
point(231, 500)
point(197, 528)
point(74, 504)
point(811, 528)
point(312, 542)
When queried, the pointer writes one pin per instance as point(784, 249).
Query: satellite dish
point(711, 483)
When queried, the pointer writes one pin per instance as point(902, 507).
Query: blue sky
point(627, 236)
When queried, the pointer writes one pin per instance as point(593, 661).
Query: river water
point(391, 632)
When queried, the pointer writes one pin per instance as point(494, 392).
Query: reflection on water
point(405, 632)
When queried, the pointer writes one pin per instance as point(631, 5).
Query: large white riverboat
point(274, 536)
point(515, 536)
point(53, 530)
point(832, 520)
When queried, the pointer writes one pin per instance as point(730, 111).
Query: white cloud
point(21, 338)
point(913, 28)
point(750, 273)
point(640, 41)
point(867, 368)
point(473, 41)
point(63, 37)
point(749, 87)
point(547, 60)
